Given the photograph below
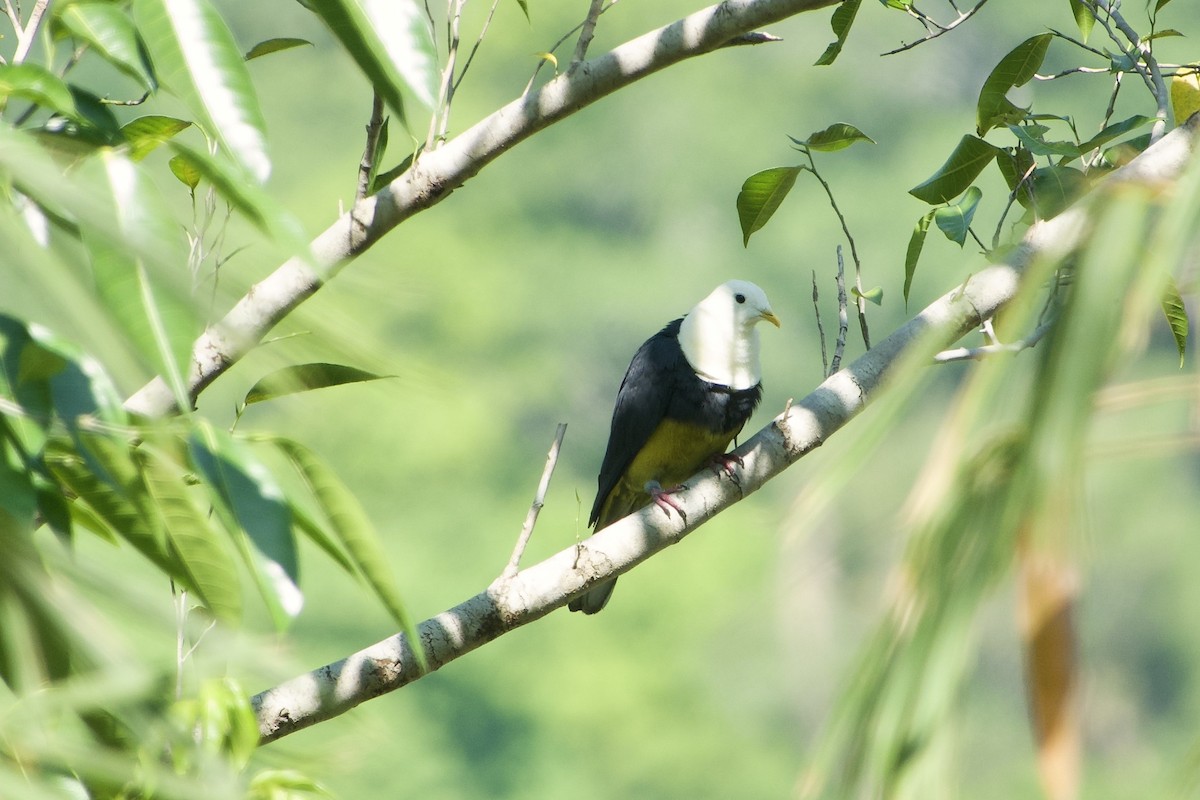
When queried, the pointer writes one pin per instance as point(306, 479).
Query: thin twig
point(558, 44)
point(860, 303)
point(475, 47)
point(940, 29)
point(25, 37)
point(371, 150)
point(820, 328)
point(1148, 68)
point(839, 346)
point(586, 31)
point(439, 123)
point(13, 17)
point(539, 499)
point(984, 351)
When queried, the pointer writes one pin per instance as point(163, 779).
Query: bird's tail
point(619, 504)
point(593, 600)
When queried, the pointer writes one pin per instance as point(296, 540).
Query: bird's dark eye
point(741, 298)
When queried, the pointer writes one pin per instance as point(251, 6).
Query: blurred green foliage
point(516, 303)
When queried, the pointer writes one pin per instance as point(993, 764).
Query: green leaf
point(916, 243)
point(1115, 130)
point(874, 295)
point(247, 498)
point(1015, 69)
point(109, 31)
point(391, 43)
point(18, 501)
point(1055, 188)
point(185, 171)
point(837, 136)
point(144, 134)
point(1084, 18)
point(1158, 6)
point(352, 527)
point(1177, 317)
point(955, 220)
point(960, 170)
point(306, 377)
point(524, 4)
point(206, 568)
point(761, 195)
point(1038, 146)
point(269, 46)
point(841, 22)
point(39, 86)
point(195, 56)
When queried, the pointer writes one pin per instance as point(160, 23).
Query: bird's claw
point(723, 462)
point(663, 499)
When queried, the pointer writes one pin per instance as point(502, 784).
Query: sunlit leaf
point(836, 137)
point(1084, 18)
point(872, 295)
point(841, 22)
point(1015, 69)
point(306, 377)
point(108, 29)
point(916, 243)
point(761, 195)
point(955, 220)
point(954, 177)
point(144, 134)
point(39, 86)
point(1177, 317)
point(185, 171)
point(195, 56)
point(275, 46)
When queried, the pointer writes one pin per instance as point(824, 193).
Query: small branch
point(586, 31)
point(539, 500)
point(1148, 68)
point(25, 37)
point(860, 302)
point(487, 23)
point(439, 122)
point(937, 29)
point(371, 150)
point(558, 44)
point(839, 347)
point(820, 328)
point(984, 351)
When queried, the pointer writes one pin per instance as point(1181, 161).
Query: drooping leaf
point(836, 137)
point(761, 195)
point(872, 295)
point(969, 158)
point(390, 42)
point(108, 29)
point(144, 134)
point(185, 171)
point(916, 243)
point(269, 46)
point(524, 4)
point(1115, 130)
point(306, 377)
point(248, 500)
point(195, 56)
point(841, 22)
point(1017, 167)
point(955, 220)
point(39, 86)
point(1084, 18)
point(1016, 69)
point(1177, 317)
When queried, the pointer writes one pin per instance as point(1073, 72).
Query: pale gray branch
point(437, 173)
point(535, 591)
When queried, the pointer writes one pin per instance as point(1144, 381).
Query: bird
point(686, 395)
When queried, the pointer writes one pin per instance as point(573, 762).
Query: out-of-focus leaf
point(1055, 188)
point(306, 377)
point(195, 56)
point(278, 784)
point(955, 220)
point(17, 498)
point(524, 4)
point(1015, 69)
point(144, 134)
point(1084, 18)
point(390, 42)
point(37, 85)
point(837, 136)
point(761, 195)
point(872, 295)
point(841, 22)
point(1185, 96)
point(954, 177)
point(351, 526)
point(248, 500)
point(108, 29)
point(916, 243)
point(185, 171)
point(1177, 317)
point(275, 46)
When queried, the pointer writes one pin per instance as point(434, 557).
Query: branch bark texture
point(511, 602)
point(437, 173)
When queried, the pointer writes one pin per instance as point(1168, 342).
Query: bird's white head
point(719, 338)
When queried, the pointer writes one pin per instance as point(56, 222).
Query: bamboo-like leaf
point(1016, 69)
point(916, 243)
point(1177, 317)
point(195, 56)
point(390, 42)
point(247, 499)
point(837, 136)
point(108, 29)
point(955, 220)
point(304, 378)
point(145, 134)
point(761, 195)
point(841, 22)
point(269, 46)
point(969, 158)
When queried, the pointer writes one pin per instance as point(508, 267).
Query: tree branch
point(537, 590)
point(437, 173)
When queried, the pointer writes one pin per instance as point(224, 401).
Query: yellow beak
point(771, 318)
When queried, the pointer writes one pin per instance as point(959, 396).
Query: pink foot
point(723, 462)
point(662, 498)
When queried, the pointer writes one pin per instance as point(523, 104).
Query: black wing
point(642, 403)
